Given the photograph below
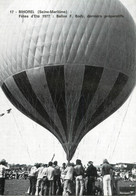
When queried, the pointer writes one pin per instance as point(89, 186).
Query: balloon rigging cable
point(111, 155)
point(19, 131)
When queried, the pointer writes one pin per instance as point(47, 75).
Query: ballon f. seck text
point(68, 72)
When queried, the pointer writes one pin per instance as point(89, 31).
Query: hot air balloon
point(67, 65)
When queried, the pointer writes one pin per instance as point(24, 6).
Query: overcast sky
point(24, 141)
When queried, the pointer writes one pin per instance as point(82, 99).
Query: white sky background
point(24, 141)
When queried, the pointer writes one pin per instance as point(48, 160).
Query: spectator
point(79, 174)
point(33, 179)
point(106, 173)
point(39, 178)
point(67, 189)
point(62, 170)
point(91, 174)
point(3, 168)
point(44, 183)
point(50, 177)
point(57, 183)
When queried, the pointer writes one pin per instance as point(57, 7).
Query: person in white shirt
point(62, 176)
point(32, 178)
point(44, 183)
point(3, 168)
point(39, 179)
point(50, 177)
point(69, 171)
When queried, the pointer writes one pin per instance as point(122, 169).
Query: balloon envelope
point(70, 70)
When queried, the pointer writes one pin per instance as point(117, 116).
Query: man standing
point(79, 174)
point(57, 183)
point(39, 179)
point(62, 171)
point(3, 167)
point(91, 174)
point(44, 184)
point(32, 178)
point(50, 177)
point(69, 171)
point(106, 173)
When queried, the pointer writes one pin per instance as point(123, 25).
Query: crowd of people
point(70, 179)
point(16, 174)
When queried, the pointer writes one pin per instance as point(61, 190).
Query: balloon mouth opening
point(69, 148)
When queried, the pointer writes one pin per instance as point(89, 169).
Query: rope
point(121, 127)
point(18, 129)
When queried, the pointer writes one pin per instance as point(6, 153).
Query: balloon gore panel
point(41, 95)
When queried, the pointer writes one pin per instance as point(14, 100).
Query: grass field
point(19, 187)
point(16, 187)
